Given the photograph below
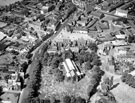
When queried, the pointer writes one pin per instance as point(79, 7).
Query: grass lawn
point(10, 97)
point(51, 87)
point(7, 2)
point(124, 94)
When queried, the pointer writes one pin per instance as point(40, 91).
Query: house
point(82, 22)
point(14, 82)
point(54, 25)
point(47, 8)
point(97, 14)
point(74, 49)
point(80, 30)
point(71, 68)
point(2, 35)
point(3, 101)
point(120, 36)
point(92, 23)
point(52, 50)
point(124, 54)
point(113, 7)
point(103, 25)
point(118, 42)
point(98, 7)
point(121, 13)
point(79, 3)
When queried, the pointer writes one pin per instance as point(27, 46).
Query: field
point(51, 87)
point(7, 2)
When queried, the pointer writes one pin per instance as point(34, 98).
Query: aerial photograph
point(67, 51)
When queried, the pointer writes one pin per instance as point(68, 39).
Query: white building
point(122, 13)
point(71, 68)
point(2, 35)
point(120, 36)
point(118, 42)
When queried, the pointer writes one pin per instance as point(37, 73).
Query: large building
point(121, 13)
point(71, 68)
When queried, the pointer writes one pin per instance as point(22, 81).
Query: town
point(67, 51)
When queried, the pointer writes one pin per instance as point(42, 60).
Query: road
point(21, 96)
point(11, 91)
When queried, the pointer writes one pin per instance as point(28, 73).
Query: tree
point(130, 81)
point(52, 99)
point(66, 99)
point(67, 54)
point(93, 47)
point(80, 100)
point(107, 85)
point(73, 99)
point(45, 59)
point(1, 90)
point(55, 61)
point(88, 65)
point(96, 62)
point(128, 78)
point(29, 55)
point(90, 90)
point(59, 75)
point(24, 66)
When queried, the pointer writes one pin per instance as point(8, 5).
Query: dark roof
point(96, 14)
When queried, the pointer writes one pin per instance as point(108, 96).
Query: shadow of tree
point(114, 86)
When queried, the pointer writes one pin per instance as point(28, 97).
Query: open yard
point(51, 87)
point(71, 36)
point(124, 94)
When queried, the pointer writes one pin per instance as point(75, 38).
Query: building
point(118, 42)
point(2, 35)
point(82, 22)
point(92, 23)
point(121, 13)
point(52, 50)
point(104, 25)
point(79, 3)
point(47, 8)
point(74, 49)
point(97, 14)
point(71, 68)
point(120, 36)
point(80, 30)
point(113, 7)
point(54, 25)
